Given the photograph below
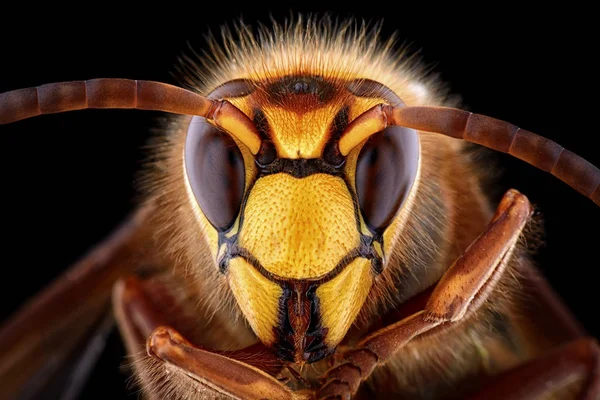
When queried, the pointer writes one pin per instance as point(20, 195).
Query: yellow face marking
point(302, 129)
point(234, 229)
point(360, 130)
point(234, 121)
point(378, 249)
point(221, 251)
point(342, 298)
point(299, 228)
point(257, 296)
point(300, 135)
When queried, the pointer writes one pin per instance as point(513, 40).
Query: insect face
point(299, 229)
point(303, 201)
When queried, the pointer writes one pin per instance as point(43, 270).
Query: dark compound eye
point(385, 172)
point(215, 170)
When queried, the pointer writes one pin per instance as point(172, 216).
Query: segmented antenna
point(125, 93)
point(148, 95)
point(495, 134)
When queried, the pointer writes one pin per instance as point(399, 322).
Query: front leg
point(552, 373)
point(462, 290)
point(225, 375)
point(56, 335)
point(174, 367)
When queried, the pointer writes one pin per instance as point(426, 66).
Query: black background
point(67, 179)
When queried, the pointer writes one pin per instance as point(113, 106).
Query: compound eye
point(385, 172)
point(215, 172)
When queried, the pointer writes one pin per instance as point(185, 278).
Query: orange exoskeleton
point(314, 229)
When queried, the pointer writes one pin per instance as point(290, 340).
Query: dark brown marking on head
point(231, 89)
point(313, 87)
point(373, 89)
point(267, 152)
point(262, 124)
point(300, 167)
point(300, 334)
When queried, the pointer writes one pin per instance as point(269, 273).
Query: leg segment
point(222, 374)
point(460, 292)
point(35, 351)
point(578, 361)
point(233, 374)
